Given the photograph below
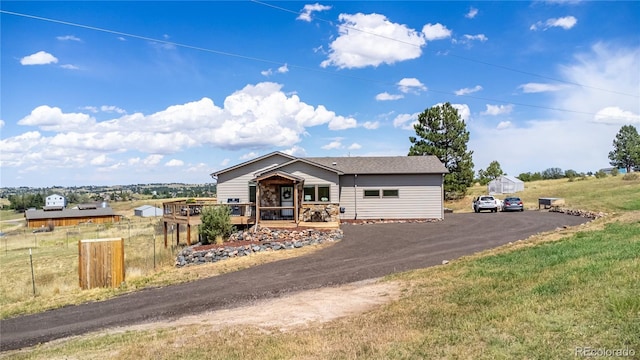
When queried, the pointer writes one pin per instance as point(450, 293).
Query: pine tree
point(626, 151)
point(442, 132)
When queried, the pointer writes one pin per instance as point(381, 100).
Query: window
point(309, 193)
point(390, 193)
point(313, 193)
point(252, 193)
point(372, 193)
point(323, 193)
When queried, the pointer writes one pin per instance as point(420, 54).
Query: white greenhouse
point(505, 185)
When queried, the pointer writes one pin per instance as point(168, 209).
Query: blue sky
point(109, 93)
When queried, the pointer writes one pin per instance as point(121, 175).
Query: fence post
point(33, 277)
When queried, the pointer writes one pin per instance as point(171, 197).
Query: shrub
point(614, 172)
point(631, 176)
point(600, 174)
point(216, 222)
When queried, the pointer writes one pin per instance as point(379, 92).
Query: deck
point(187, 212)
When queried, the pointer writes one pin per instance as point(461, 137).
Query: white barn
point(505, 184)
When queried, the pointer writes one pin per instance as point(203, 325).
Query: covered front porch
point(279, 199)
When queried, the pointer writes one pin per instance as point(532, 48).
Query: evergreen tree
point(443, 133)
point(626, 148)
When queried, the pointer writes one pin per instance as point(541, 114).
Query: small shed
point(147, 211)
point(505, 184)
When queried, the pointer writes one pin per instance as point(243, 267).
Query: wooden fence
point(101, 262)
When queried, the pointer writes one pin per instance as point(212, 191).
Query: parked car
point(512, 204)
point(486, 202)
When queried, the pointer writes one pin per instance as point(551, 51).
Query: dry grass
point(55, 263)
point(609, 194)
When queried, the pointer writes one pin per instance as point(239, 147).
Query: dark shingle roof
point(68, 213)
point(383, 164)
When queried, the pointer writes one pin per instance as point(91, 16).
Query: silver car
point(512, 204)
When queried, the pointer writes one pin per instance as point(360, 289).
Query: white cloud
point(112, 109)
point(152, 160)
point(174, 163)
point(371, 125)
point(69, 67)
point(385, 96)
point(478, 37)
point(308, 9)
point(466, 91)
point(406, 121)
point(566, 23)
point(616, 116)
point(256, 117)
point(371, 40)
point(472, 13)
point(335, 144)
point(579, 141)
point(435, 32)
point(249, 156)
point(1, 124)
point(68, 38)
point(538, 87)
point(504, 125)
point(53, 119)
point(411, 85)
point(355, 146)
point(225, 162)
point(497, 109)
point(295, 150)
point(100, 160)
point(283, 69)
point(39, 58)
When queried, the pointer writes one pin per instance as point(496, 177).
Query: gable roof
point(383, 164)
point(291, 157)
point(427, 164)
point(303, 160)
point(281, 174)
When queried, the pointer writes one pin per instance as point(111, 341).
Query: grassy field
point(544, 298)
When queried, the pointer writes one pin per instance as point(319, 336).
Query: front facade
point(278, 186)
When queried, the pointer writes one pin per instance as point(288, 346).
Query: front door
point(286, 199)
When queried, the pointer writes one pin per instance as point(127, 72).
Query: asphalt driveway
point(367, 251)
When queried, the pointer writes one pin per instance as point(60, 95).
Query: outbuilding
point(147, 211)
point(505, 184)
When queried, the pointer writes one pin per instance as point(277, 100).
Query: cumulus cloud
point(472, 13)
point(295, 150)
point(616, 116)
point(355, 146)
point(39, 58)
point(538, 87)
point(255, 117)
point(372, 40)
point(497, 109)
point(566, 23)
point(385, 96)
point(69, 67)
point(305, 14)
point(504, 125)
point(411, 85)
point(281, 70)
point(467, 91)
point(174, 163)
point(406, 121)
point(335, 144)
point(371, 125)
point(435, 32)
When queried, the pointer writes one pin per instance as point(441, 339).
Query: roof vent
point(334, 163)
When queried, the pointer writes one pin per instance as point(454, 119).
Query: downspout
point(355, 197)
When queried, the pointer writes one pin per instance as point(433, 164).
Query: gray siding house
point(281, 187)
